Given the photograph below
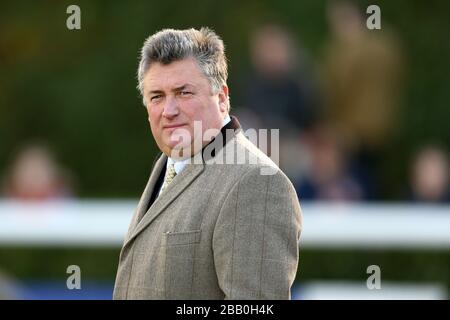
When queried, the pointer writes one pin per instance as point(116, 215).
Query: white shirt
point(181, 164)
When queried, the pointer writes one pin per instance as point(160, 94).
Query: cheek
point(188, 108)
point(153, 115)
point(195, 109)
point(153, 122)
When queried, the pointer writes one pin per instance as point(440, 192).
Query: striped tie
point(170, 174)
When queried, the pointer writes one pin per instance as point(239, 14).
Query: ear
point(223, 99)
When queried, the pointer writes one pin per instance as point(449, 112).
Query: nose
point(170, 107)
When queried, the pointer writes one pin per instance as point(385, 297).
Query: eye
point(155, 98)
point(185, 93)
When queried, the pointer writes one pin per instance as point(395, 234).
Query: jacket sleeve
point(256, 237)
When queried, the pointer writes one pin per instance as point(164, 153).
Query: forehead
point(174, 74)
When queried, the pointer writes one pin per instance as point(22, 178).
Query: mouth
point(173, 126)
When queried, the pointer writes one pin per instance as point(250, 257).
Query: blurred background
point(363, 136)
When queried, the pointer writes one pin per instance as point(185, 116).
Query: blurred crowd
point(336, 117)
point(36, 175)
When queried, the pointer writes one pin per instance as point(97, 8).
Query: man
point(205, 228)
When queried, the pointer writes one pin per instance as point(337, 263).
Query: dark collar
point(227, 132)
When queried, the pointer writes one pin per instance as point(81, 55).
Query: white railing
point(325, 225)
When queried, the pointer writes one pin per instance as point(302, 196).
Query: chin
point(180, 153)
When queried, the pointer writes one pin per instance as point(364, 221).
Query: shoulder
point(243, 153)
point(257, 171)
point(240, 164)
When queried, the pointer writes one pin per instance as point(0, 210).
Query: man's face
point(176, 95)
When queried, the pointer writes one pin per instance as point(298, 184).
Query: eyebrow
point(176, 89)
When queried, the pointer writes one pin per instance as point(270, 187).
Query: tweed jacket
point(227, 227)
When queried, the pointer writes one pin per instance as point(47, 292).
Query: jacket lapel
point(180, 182)
point(148, 191)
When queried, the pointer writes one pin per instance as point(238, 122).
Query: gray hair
point(169, 45)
